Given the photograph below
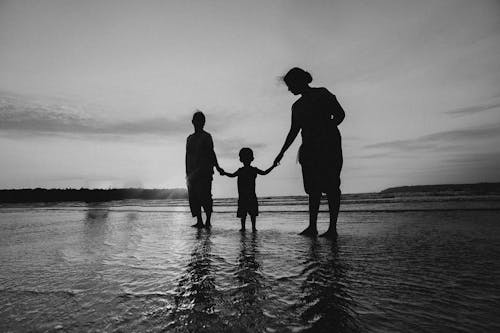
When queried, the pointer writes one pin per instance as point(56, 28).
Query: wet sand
point(116, 267)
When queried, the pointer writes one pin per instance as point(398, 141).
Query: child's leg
point(243, 220)
point(253, 218)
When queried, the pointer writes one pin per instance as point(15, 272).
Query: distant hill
point(88, 195)
point(479, 188)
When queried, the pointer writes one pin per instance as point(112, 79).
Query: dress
point(200, 161)
point(318, 113)
point(247, 199)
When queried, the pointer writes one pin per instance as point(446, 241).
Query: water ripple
point(108, 270)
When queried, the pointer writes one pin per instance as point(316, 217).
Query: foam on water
point(138, 266)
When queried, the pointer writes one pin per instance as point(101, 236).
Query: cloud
point(436, 140)
point(475, 158)
point(483, 166)
point(473, 109)
point(28, 117)
point(33, 121)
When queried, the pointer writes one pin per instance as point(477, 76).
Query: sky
point(100, 94)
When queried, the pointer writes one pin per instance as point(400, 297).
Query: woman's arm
point(292, 134)
point(265, 172)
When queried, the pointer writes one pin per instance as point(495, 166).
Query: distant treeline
point(88, 195)
point(479, 188)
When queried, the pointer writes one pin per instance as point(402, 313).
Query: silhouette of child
point(247, 199)
point(200, 163)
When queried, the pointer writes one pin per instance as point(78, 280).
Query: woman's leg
point(314, 201)
point(333, 206)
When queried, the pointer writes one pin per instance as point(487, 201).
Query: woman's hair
point(298, 76)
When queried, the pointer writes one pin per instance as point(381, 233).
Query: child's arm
point(265, 172)
point(232, 175)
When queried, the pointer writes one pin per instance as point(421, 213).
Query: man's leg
point(207, 202)
point(195, 205)
point(253, 218)
point(243, 220)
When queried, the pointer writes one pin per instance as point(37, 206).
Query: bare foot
point(208, 226)
point(330, 234)
point(197, 225)
point(310, 232)
point(254, 229)
point(242, 229)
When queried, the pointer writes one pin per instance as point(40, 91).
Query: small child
point(247, 199)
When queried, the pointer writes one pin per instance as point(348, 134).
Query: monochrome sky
point(101, 93)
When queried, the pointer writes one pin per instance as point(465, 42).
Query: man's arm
point(187, 160)
point(214, 156)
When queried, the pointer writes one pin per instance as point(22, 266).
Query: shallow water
point(137, 266)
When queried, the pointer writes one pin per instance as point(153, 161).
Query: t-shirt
point(200, 155)
point(246, 181)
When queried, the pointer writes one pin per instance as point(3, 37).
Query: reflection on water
point(326, 305)
point(95, 228)
point(97, 211)
point(196, 295)
point(103, 270)
point(248, 296)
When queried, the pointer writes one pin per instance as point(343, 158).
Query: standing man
point(200, 162)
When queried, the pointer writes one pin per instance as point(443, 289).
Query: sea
point(401, 263)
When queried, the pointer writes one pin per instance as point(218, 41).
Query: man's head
point(198, 120)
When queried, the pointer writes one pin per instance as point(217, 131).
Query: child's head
point(246, 156)
point(198, 120)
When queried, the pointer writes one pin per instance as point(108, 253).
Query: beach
point(400, 264)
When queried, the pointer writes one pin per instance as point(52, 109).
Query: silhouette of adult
point(200, 163)
point(316, 114)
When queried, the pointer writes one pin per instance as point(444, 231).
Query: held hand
point(277, 160)
point(221, 171)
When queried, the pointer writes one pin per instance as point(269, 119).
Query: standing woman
point(316, 114)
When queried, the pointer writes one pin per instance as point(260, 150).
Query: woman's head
point(246, 155)
point(297, 80)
